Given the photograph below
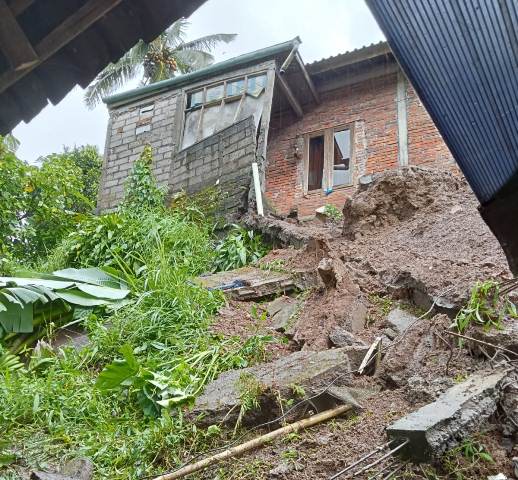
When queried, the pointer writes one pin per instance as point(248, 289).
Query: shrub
point(239, 248)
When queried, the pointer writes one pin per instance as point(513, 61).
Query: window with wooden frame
point(328, 159)
point(219, 105)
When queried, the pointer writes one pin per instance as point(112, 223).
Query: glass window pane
point(256, 84)
point(214, 93)
point(195, 98)
point(210, 120)
point(341, 162)
point(316, 162)
point(235, 87)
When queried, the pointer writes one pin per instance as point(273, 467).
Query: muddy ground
point(411, 239)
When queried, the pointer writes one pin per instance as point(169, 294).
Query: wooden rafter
point(308, 80)
point(13, 42)
point(294, 103)
point(74, 25)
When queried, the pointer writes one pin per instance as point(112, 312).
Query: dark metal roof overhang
point(49, 46)
point(462, 59)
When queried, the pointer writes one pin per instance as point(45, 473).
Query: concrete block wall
point(151, 121)
point(369, 108)
point(223, 160)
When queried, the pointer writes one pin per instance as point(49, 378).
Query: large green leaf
point(93, 276)
point(103, 292)
point(43, 282)
point(77, 297)
point(119, 372)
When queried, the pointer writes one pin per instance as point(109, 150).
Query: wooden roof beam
point(294, 103)
point(309, 81)
point(13, 42)
point(74, 25)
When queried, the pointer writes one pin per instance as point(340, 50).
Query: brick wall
point(224, 159)
point(129, 129)
point(369, 108)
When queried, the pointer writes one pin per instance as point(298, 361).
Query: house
point(314, 130)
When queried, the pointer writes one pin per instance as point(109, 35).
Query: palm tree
point(160, 59)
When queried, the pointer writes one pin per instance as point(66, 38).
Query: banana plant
point(29, 301)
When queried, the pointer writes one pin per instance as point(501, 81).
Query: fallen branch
point(487, 344)
point(256, 442)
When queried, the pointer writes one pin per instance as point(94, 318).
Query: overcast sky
point(326, 28)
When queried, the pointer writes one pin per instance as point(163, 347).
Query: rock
point(281, 310)
point(459, 412)
point(310, 370)
point(455, 209)
point(281, 470)
point(515, 466)
point(399, 320)
point(506, 337)
point(339, 337)
point(81, 468)
point(327, 272)
point(500, 476)
point(355, 316)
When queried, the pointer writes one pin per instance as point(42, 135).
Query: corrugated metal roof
point(220, 67)
point(351, 56)
point(462, 59)
point(84, 55)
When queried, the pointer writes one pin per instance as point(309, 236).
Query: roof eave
point(188, 78)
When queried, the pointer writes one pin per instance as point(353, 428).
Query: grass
point(55, 412)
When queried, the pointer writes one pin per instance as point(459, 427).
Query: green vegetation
point(39, 205)
point(120, 400)
point(486, 307)
point(239, 248)
point(160, 59)
point(333, 213)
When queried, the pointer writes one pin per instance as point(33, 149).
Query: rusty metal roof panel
point(462, 59)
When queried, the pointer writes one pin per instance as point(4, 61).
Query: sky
point(326, 28)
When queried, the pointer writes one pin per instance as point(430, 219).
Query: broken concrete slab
point(282, 311)
point(400, 320)
point(340, 337)
point(249, 283)
point(220, 402)
point(460, 411)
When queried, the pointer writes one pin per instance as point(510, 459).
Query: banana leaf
point(21, 296)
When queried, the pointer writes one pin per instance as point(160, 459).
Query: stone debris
point(340, 337)
point(310, 371)
point(81, 468)
point(460, 411)
point(282, 311)
point(399, 320)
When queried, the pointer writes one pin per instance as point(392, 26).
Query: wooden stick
point(254, 443)
point(487, 344)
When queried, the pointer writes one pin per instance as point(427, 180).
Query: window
point(328, 159)
point(316, 162)
point(217, 106)
point(341, 154)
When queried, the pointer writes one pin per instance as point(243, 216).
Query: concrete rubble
point(460, 411)
point(412, 242)
point(309, 371)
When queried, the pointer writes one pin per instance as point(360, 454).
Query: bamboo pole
point(254, 443)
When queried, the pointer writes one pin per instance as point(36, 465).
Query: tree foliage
point(164, 57)
point(41, 204)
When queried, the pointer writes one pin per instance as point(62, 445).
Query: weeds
point(250, 391)
point(239, 248)
point(333, 213)
point(121, 399)
point(486, 307)
point(469, 460)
